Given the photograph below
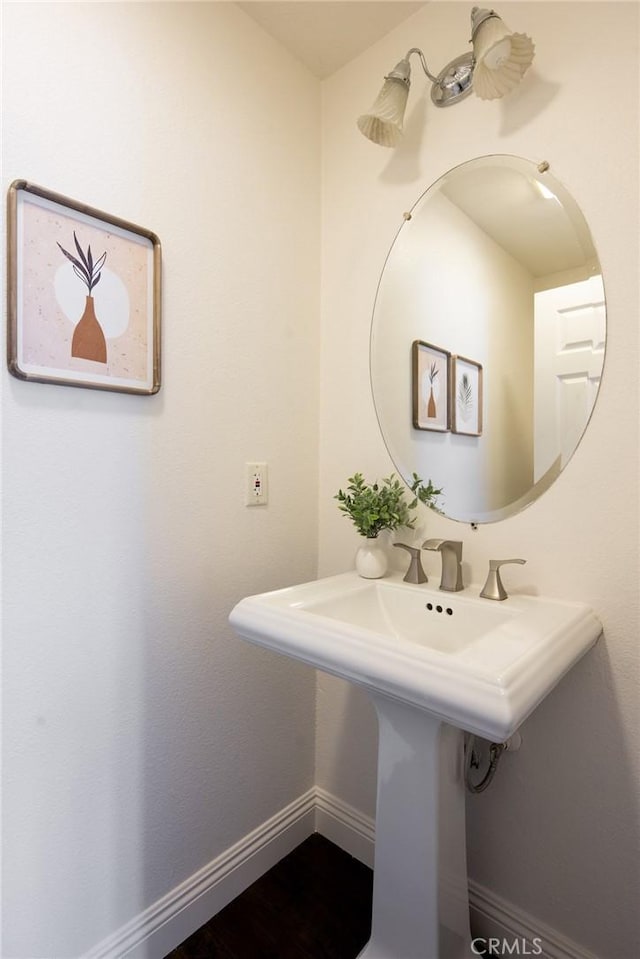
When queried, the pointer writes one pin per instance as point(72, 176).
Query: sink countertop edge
point(490, 710)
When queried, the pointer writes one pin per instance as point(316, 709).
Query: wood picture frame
point(466, 396)
point(431, 371)
point(84, 291)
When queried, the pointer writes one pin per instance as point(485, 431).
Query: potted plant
point(378, 506)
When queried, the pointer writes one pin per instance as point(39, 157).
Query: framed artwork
point(83, 295)
point(431, 373)
point(466, 396)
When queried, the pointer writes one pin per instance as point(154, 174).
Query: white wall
point(141, 737)
point(557, 834)
point(476, 301)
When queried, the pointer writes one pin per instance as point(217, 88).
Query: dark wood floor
point(314, 904)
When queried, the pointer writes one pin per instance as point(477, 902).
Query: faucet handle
point(493, 588)
point(415, 573)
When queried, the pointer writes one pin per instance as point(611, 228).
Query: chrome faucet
point(451, 552)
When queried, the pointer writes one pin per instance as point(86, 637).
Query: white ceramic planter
point(371, 559)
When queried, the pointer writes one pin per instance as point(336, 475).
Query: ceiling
point(326, 34)
point(546, 233)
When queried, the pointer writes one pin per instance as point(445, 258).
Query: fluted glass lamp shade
point(502, 58)
point(383, 123)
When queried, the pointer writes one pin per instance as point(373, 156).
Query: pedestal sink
point(435, 665)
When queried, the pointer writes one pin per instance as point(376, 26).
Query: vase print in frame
point(84, 295)
point(431, 371)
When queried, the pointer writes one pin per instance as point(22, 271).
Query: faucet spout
point(451, 552)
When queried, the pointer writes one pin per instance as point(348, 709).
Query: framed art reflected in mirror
point(431, 376)
point(466, 396)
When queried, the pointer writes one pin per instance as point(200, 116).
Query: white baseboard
point(491, 916)
point(169, 921)
point(345, 826)
point(494, 917)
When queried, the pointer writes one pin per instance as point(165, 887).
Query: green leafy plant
point(374, 507)
point(85, 268)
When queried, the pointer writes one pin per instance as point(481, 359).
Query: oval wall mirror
point(488, 336)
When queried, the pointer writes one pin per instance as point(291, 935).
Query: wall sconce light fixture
point(499, 60)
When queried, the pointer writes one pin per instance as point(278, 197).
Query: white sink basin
point(433, 664)
point(479, 665)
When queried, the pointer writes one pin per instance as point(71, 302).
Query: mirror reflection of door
point(570, 332)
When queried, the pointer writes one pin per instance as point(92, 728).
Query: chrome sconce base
point(454, 82)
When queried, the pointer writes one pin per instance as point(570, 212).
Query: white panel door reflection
point(570, 325)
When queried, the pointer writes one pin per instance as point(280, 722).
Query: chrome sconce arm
point(398, 73)
point(452, 83)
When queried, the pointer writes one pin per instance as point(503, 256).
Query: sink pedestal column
point(420, 899)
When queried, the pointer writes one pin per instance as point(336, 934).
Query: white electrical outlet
point(256, 486)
